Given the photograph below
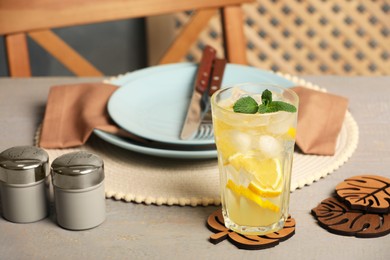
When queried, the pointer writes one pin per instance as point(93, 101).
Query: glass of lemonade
point(255, 154)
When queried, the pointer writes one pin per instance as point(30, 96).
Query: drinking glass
point(255, 155)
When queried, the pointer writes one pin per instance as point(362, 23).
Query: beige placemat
point(139, 178)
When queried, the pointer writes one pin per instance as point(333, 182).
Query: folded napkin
point(73, 111)
point(320, 118)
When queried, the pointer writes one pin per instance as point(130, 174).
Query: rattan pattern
point(309, 37)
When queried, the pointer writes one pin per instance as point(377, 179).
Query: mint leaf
point(248, 105)
point(268, 109)
point(266, 97)
point(262, 109)
point(245, 105)
point(283, 106)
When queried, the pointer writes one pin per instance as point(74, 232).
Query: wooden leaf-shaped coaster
point(366, 192)
point(337, 218)
point(216, 224)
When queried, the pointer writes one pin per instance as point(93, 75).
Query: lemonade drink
point(255, 153)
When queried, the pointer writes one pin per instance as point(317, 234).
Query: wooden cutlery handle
point(216, 78)
point(204, 70)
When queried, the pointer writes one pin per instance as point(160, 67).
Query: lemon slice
point(225, 147)
point(290, 134)
point(264, 192)
point(236, 161)
point(242, 191)
point(267, 172)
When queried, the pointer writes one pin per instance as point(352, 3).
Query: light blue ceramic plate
point(153, 104)
point(132, 146)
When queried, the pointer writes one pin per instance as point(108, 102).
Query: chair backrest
point(310, 37)
point(36, 18)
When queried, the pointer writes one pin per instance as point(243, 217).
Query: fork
point(205, 130)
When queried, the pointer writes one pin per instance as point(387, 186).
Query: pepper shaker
point(24, 184)
point(78, 182)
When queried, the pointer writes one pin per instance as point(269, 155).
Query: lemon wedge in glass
point(264, 192)
point(240, 190)
point(266, 172)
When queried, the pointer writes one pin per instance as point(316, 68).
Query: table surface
point(139, 231)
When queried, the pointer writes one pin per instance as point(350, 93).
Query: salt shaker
point(78, 182)
point(24, 185)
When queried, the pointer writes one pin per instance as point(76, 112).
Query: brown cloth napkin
point(320, 118)
point(73, 111)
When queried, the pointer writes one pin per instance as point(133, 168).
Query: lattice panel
point(310, 37)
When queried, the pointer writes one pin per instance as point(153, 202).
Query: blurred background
point(297, 37)
point(345, 37)
point(113, 47)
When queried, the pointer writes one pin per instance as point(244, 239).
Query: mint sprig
point(266, 97)
point(248, 105)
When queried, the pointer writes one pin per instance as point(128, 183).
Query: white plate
point(152, 103)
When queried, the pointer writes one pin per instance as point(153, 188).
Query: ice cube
point(232, 174)
point(270, 146)
point(257, 120)
point(244, 178)
point(226, 103)
point(240, 140)
point(280, 123)
point(237, 93)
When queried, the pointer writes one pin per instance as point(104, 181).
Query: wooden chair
point(311, 37)
point(36, 18)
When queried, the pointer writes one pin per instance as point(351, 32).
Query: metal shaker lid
point(23, 165)
point(77, 170)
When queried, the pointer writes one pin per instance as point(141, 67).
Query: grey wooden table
point(137, 231)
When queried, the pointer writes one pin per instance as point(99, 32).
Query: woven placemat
point(139, 178)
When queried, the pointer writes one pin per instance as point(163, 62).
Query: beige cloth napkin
point(73, 111)
point(320, 118)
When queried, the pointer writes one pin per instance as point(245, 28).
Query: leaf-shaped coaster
point(337, 218)
point(366, 192)
point(216, 224)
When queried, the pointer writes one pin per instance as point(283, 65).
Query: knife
point(217, 75)
point(215, 84)
point(196, 108)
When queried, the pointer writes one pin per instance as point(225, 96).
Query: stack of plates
point(152, 103)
